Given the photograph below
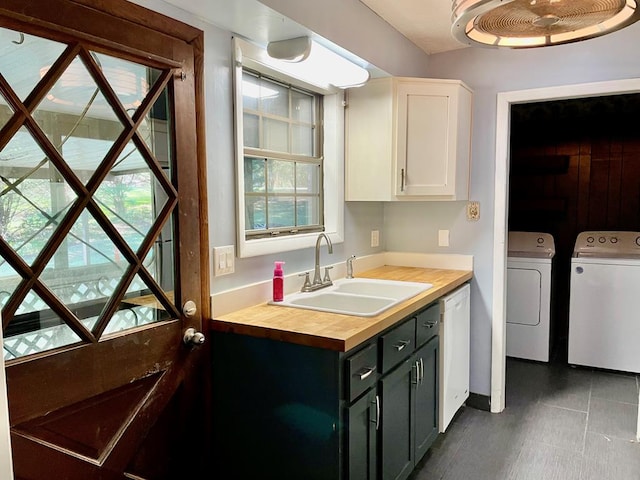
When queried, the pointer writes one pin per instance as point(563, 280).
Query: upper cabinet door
point(409, 139)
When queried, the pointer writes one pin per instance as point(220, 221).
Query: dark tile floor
point(560, 423)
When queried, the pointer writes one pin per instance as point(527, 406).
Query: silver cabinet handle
point(421, 370)
point(366, 372)
point(377, 412)
point(417, 379)
point(400, 345)
point(429, 324)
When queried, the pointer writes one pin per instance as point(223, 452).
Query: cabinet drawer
point(361, 370)
point(398, 344)
point(428, 323)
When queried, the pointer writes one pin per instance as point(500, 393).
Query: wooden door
point(100, 241)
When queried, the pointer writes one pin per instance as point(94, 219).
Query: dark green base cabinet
point(409, 419)
point(286, 411)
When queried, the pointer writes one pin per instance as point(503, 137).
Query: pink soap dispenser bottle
point(278, 282)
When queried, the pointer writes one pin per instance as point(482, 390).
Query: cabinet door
point(426, 397)
point(433, 140)
point(397, 442)
point(363, 418)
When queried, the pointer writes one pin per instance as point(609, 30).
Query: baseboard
point(478, 401)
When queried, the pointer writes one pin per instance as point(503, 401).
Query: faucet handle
point(307, 283)
point(327, 278)
point(350, 266)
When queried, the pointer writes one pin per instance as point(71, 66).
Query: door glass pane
point(75, 107)
point(34, 196)
point(24, 59)
point(126, 196)
point(155, 130)
point(9, 281)
point(130, 81)
point(5, 112)
point(35, 328)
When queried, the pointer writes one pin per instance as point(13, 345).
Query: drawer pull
point(377, 420)
point(400, 345)
point(365, 372)
point(429, 324)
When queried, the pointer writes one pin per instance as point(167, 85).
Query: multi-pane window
point(282, 158)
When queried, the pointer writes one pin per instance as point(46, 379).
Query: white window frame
point(255, 58)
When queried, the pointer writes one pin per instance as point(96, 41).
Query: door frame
point(124, 10)
point(501, 199)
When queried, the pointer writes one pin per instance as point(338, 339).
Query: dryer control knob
point(589, 239)
point(613, 239)
point(638, 241)
point(602, 239)
point(540, 240)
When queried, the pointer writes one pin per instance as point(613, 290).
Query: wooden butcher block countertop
point(335, 331)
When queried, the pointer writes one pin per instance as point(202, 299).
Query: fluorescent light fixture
point(538, 23)
point(311, 62)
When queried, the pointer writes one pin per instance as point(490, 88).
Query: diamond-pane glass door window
point(87, 203)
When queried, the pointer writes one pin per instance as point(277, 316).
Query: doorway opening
point(504, 129)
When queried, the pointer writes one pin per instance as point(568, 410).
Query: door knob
point(192, 337)
point(189, 308)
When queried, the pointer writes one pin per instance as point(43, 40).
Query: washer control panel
point(607, 244)
point(531, 244)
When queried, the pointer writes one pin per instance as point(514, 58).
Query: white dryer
point(529, 269)
point(604, 304)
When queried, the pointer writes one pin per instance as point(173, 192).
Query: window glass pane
point(275, 98)
point(308, 211)
point(307, 178)
point(281, 177)
point(281, 212)
point(255, 213)
point(254, 175)
point(275, 135)
point(250, 91)
point(302, 140)
point(250, 130)
point(301, 107)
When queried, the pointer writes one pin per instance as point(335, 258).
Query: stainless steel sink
point(362, 297)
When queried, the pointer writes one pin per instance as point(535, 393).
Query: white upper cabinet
point(408, 139)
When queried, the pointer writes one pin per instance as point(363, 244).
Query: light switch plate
point(443, 238)
point(223, 260)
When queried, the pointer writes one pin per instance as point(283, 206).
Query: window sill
point(266, 246)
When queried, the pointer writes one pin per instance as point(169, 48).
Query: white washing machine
point(529, 268)
point(604, 304)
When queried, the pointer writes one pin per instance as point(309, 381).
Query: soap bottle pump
point(278, 282)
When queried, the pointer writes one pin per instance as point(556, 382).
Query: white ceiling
point(427, 23)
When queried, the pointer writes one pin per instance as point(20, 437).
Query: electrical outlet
point(223, 260)
point(443, 238)
point(473, 211)
point(375, 238)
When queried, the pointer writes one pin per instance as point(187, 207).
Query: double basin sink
point(363, 297)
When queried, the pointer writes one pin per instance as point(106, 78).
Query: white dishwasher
point(454, 354)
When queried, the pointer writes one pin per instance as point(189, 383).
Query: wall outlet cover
point(473, 211)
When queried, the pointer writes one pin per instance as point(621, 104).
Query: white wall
point(487, 72)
